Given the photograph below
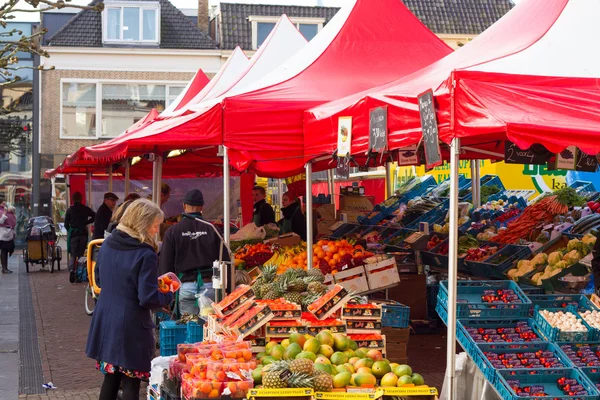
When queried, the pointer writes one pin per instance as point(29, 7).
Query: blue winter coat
point(121, 328)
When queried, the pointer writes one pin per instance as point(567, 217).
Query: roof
point(441, 16)
point(236, 29)
point(177, 31)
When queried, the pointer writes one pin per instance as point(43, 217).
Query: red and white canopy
point(530, 78)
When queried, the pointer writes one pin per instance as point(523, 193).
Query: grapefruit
point(313, 345)
point(405, 380)
point(326, 350)
point(402, 370)
point(417, 379)
point(389, 380)
point(325, 337)
point(341, 342)
point(307, 354)
point(364, 362)
point(292, 351)
point(322, 359)
point(375, 355)
point(342, 379)
point(338, 358)
point(365, 379)
point(297, 338)
point(380, 368)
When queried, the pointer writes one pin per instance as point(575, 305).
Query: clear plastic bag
point(204, 304)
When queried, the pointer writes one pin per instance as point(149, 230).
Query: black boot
point(72, 277)
point(6, 271)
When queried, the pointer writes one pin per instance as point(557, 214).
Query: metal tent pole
point(474, 180)
point(331, 181)
point(226, 217)
point(389, 189)
point(478, 175)
point(309, 216)
point(110, 178)
point(159, 161)
point(127, 166)
point(154, 174)
point(452, 269)
point(89, 190)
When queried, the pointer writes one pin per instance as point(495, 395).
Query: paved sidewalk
point(9, 333)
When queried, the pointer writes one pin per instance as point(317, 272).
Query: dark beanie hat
point(194, 198)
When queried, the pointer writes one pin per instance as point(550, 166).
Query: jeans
point(187, 296)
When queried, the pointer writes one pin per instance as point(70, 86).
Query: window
point(131, 23)
point(263, 25)
point(96, 109)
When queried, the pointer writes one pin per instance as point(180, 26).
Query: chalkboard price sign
point(533, 156)
point(429, 127)
point(378, 128)
point(342, 169)
point(586, 163)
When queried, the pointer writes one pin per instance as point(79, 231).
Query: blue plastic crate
point(395, 315)
point(171, 334)
point(593, 374)
point(489, 268)
point(531, 290)
point(470, 293)
point(432, 292)
point(427, 183)
point(546, 378)
point(393, 203)
point(372, 218)
point(562, 301)
point(195, 333)
point(166, 351)
point(434, 259)
point(344, 230)
point(508, 348)
point(465, 325)
point(405, 232)
point(556, 335)
point(580, 361)
point(432, 216)
point(583, 186)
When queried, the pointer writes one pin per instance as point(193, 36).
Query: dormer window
point(131, 23)
point(263, 25)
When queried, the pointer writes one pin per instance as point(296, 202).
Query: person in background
point(121, 335)
point(8, 222)
point(165, 194)
point(104, 215)
point(116, 217)
point(189, 249)
point(131, 196)
point(77, 218)
point(293, 220)
point(263, 212)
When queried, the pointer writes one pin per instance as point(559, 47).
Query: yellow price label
point(301, 392)
point(410, 391)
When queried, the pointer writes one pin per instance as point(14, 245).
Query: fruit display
point(582, 355)
point(481, 253)
point(328, 303)
point(240, 295)
point(417, 207)
point(333, 256)
point(564, 321)
point(433, 241)
point(254, 255)
point(500, 296)
point(524, 359)
point(569, 387)
point(519, 332)
point(288, 257)
point(586, 224)
point(168, 283)
point(592, 318)
point(328, 362)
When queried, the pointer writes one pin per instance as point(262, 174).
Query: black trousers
point(112, 384)
point(4, 258)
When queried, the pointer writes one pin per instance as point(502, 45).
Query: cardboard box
point(284, 329)
point(357, 203)
point(327, 211)
point(324, 225)
point(260, 315)
point(363, 326)
point(287, 240)
point(351, 217)
point(333, 328)
point(232, 301)
point(336, 302)
point(396, 335)
point(368, 341)
point(397, 350)
point(355, 311)
point(383, 274)
point(353, 279)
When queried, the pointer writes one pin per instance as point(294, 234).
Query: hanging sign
point(408, 155)
point(566, 158)
point(532, 156)
point(342, 169)
point(429, 127)
point(344, 136)
point(378, 129)
point(586, 163)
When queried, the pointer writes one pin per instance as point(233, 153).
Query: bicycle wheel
point(90, 300)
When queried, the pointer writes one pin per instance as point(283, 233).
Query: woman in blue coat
point(121, 336)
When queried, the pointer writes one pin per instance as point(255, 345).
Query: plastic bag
point(204, 304)
point(250, 231)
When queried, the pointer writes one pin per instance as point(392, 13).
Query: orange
point(206, 387)
point(333, 249)
point(243, 386)
point(221, 376)
point(214, 394)
point(232, 386)
point(247, 355)
point(336, 257)
point(332, 262)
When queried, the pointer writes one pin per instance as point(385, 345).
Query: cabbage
point(540, 259)
point(560, 265)
point(554, 257)
point(572, 244)
point(572, 257)
point(537, 278)
point(523, 264)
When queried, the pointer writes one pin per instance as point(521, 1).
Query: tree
point(14, 41)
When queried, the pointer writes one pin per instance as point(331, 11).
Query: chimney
point(203, 15)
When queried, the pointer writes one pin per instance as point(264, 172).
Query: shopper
point(189, 249)
point(263, 212)
point(121, 337)
point(8, 222)
point(116, 217)
point(77, 218)
point(293, 219)
point(596, 266)
point(131, 196)
point(104, 214)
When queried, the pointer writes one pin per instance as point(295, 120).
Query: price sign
point(378, 129)
point(537, 155)
point(342, 170)
point(408, 156)
point(566, 158)
point(429, 127)
point(586, 163)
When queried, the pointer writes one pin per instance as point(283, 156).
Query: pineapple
point(294, 297)
point(316, 288)
point(270, 295)
point(269, 271)
point(315, 272)
point(323, 383)
point(302, 366)
point(273, 380)
point(308, 300)
point(300, 381)
point(297, 285)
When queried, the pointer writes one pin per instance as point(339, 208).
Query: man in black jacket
point(263, 212)
point(104, 214)
point(77, 218)
point(188, 250)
